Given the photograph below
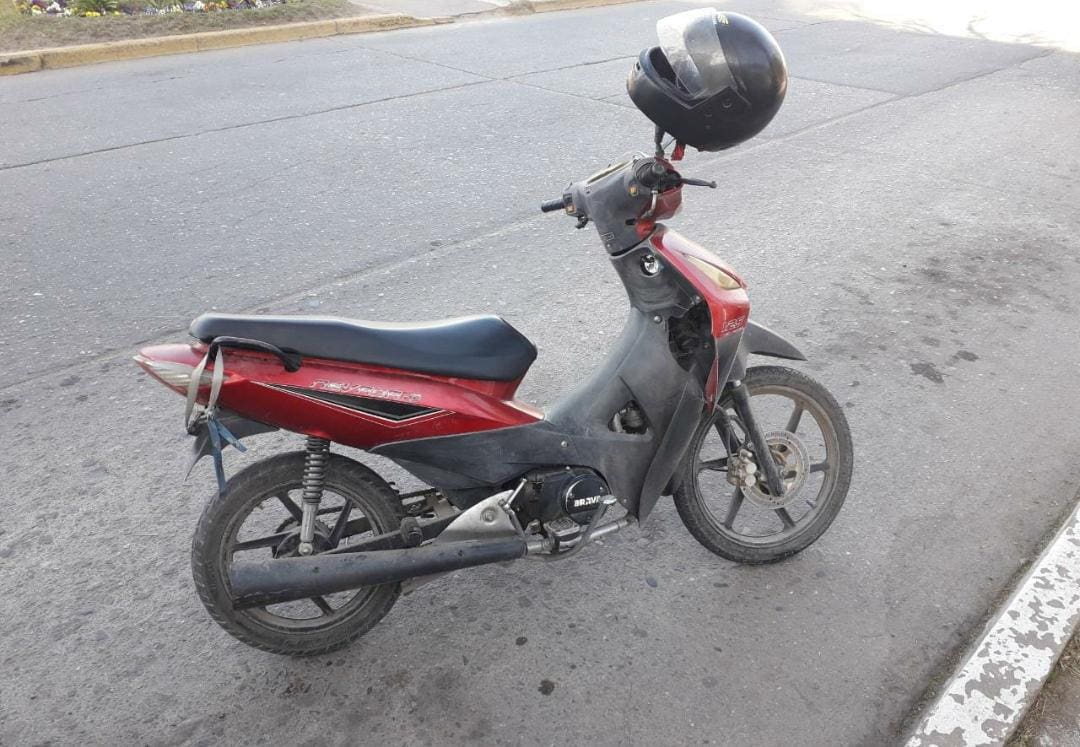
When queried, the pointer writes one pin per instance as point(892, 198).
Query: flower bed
point(97, 8)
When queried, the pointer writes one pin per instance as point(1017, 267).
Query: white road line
point(986, 698)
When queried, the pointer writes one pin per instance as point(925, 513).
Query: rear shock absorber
point(318, 454)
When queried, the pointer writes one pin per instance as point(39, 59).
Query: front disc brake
point(792, 461)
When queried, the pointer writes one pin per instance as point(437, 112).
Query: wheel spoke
point(357, 526)
point(290, 506)
point(323, 605)
point(793, 421)
point(715, 465)
point(819, 467)
point(733, 508)
point(339, 526)
point(785, 517)
point(268, 541)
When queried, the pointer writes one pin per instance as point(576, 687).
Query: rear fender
point(237, 424)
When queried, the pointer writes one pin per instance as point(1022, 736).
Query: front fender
point(757, 339)
point(760, 340)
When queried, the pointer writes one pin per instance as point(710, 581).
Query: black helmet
point(715, 80)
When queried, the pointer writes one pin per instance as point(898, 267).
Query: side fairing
point(641, 368)
point(577, 430)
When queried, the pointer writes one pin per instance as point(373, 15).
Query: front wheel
point(810, 442)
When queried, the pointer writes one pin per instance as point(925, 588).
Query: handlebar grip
point(552, 205)
point(650, 173)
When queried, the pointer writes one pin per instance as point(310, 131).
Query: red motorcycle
point(303, 552)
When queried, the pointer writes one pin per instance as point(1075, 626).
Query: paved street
point(909, 220)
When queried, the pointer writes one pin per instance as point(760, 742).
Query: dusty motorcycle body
point(506, 480)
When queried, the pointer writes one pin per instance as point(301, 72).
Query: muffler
point(272, 581)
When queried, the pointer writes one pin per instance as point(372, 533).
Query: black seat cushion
point(475, 347)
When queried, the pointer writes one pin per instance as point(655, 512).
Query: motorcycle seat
point(475, 347)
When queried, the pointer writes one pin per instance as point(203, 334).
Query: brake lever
point(686, 181)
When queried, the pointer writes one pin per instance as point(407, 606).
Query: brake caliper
point(742, 470)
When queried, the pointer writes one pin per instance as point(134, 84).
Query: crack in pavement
point(897, 97)
point(241, 125)
point(284, 300)
point(303, 115)
point(844, 85)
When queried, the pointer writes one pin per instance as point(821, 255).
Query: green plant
point(96, 6)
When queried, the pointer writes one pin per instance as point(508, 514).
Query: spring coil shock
point(318, 455)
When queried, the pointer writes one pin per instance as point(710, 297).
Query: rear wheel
point(260, 514)
point(808, 438)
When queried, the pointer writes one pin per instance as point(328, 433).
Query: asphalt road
point(909, 219)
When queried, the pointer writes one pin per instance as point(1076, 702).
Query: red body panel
point(365, 406)
point(258, 387)
point(729, 309)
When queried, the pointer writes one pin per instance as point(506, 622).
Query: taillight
point(170, 373)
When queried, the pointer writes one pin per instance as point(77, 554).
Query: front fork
point(741, 399)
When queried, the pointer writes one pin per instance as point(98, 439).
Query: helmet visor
point(691, 45)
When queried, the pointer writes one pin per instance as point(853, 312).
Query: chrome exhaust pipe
point(272, 581)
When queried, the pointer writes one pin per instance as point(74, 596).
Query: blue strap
point(215, 442)
point(228, 436)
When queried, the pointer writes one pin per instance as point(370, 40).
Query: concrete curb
point(985, 700)
point(88, 54)
point(548, 6)
point(14, 63)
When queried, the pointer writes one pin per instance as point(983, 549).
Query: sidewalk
point(435, 8)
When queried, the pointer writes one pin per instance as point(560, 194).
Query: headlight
point(715, 274)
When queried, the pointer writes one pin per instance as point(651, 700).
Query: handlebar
point(552, 205)
point(636, 180)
